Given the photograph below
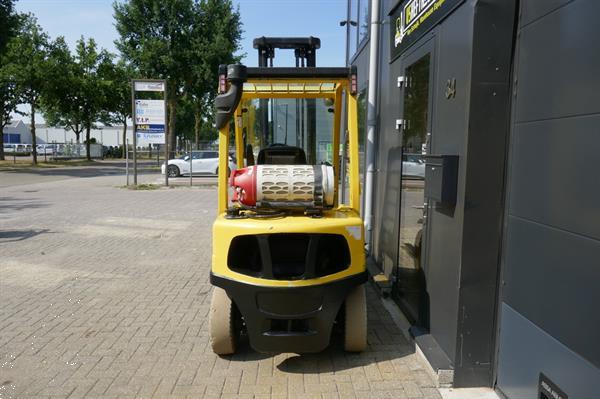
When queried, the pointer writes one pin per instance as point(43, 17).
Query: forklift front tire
point(355, 328)
point(222, 323)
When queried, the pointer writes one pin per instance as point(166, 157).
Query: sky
point(319, 18)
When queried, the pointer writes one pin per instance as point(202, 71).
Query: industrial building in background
point(18, 132)
point(479, 131)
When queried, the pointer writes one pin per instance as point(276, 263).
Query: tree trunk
point(172, 139)
point(88, 145)
point(197, 126)
point(124, 139)
point(33, 138)
point(1, 138)
point(77, 133)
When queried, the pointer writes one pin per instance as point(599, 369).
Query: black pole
point(166, 135)
point(311, 112)
point(134, 133)
point(263, 103)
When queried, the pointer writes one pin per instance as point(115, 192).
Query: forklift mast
point(305, 51)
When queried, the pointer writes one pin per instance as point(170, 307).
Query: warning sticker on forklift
point(354, 231)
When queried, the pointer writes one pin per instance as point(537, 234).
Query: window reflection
point(411, 280)
point(363, 20)
point(353, 29)
point(288, 122)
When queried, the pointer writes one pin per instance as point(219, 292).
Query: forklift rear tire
point(222, 323)
point(355, 327)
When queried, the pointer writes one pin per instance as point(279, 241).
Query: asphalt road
point(148, 173)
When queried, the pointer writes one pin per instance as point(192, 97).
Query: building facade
point(105, 135)
point(486, 216)
point(18, 132)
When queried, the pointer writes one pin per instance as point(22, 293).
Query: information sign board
point(150, 120)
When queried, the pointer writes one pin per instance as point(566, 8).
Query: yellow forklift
point(288, 257)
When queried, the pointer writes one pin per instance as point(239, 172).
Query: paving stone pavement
point(104, 292)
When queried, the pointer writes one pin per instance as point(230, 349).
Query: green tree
point(9, 93)
point(62, 102)
point(184, 118)
point(183, 41)
point(76, 94)
point(216, 35)
point(10, 97)
point(9, 23)
point(155, 38)
point(208, 131)
point(93, 68)
point(28, 54)
point(117, 107)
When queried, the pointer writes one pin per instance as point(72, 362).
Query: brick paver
point(104, 292)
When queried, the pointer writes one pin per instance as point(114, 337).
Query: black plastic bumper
point(289, 319)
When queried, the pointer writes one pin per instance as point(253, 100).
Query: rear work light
point(222, 84)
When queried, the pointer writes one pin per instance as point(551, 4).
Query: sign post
point(149, 119)
point(126, 147)
point(191, 158)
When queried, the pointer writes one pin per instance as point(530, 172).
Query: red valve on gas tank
point(243, 182)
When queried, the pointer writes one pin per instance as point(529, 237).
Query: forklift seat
point(281, 154)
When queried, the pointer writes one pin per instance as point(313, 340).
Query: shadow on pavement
point(335, 359)
point(92, 170)
point(20, 235)
point(71, 171)
point(19, 204)
point(332, 359)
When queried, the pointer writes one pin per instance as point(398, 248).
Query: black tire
point(228, 172)
point(173, 171)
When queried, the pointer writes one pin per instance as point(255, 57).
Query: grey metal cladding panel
point(559, 62)
point(554, 176)
point(493, 30)
point(449, 127)
point(552, 277)
point(384, 47)
point(534, 9)
point(484, 190)
point(526, 350)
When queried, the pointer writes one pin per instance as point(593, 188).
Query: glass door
point(410, 289)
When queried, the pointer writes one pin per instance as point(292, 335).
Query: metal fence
point(150, 159)
point(70, 150)
point(54, 151)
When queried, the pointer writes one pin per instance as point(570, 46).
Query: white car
point(202, 162)
point(42, 149)
point(413, 166)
